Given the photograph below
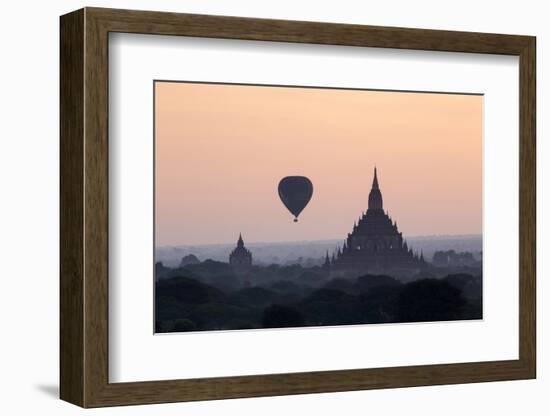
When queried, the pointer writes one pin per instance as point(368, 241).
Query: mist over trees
point(307, 253)
point(210, 296)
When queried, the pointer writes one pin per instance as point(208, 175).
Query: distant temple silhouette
point(240, 258)
point(375, 244)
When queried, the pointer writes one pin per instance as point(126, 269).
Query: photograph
point(290, 206)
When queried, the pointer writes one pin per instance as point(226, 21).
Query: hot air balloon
point(295, 193)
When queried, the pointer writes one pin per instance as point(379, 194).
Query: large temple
point(375, 245)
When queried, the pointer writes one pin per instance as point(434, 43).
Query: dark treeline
point(209, 296)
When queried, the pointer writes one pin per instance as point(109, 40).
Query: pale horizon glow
point(220, 151)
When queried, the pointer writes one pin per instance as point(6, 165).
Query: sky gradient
point(221, 150)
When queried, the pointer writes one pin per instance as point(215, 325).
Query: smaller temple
point(240, 258)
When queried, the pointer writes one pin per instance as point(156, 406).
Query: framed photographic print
point(255, 207)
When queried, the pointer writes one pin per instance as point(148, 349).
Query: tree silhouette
point(330, 307)
point(430, 300)
point(184, 325)
point(185, 289)
point(370, 281)
point(158, 326)
point(278, 316)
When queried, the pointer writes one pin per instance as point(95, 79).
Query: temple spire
point(375, 180)
point(326, 264)
point(240, 242)
point(375, 196)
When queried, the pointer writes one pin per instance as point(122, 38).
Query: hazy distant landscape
point(310, 252)
point(287, 285)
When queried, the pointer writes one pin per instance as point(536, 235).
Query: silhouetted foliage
point(254, 296)
point(286, 286)
point(189, 259)
point(430, 300)
point(161, 270)
point(469, 285)
point(159, 327)
point(311, 277)
point(330, 307)
point(370, 281)
point(184, 325)
point(472, 290)
point(278, 316)
point(380, 304)
point(190, 304)
point(187, 290)
point(343, 285)
point(327, 295)
point(289, 292)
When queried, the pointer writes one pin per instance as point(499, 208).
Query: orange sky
point(221, 151)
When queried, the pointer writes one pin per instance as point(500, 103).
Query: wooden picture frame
point(84, 207)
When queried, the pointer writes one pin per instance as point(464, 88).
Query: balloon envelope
point(295, 193)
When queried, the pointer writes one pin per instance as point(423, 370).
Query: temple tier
point(375, 245)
